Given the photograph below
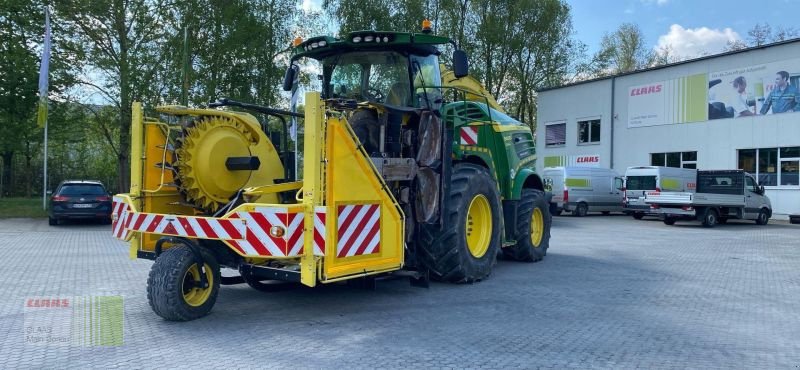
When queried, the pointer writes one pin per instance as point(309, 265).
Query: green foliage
point(22, 207)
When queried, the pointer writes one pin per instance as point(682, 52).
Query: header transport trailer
point(406, 168)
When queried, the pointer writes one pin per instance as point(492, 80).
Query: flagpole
point(44, 182)
point(42, 114)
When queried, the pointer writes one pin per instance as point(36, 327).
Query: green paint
point(554, 161)
point(670, 184)
point(577, 183)
point(697, 108)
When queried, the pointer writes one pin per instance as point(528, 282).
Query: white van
point(641, 179)
point(583, 189)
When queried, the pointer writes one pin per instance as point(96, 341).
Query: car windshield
point(641, 183)
point(377, 76)
point(82, 189)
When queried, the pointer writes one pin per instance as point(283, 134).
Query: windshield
point(499, 117)
point(368, 76)
point(641, 183)
point(82, 190)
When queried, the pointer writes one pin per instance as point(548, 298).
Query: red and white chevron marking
point(188, 226)
point(119, 212)
point(319, 231)
point(469, 135)
point(359, 230)
point(247, 232)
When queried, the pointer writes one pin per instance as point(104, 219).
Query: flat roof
point(687, 61)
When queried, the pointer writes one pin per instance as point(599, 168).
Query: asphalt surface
point(611, 293)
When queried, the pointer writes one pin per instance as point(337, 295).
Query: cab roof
point(323, 46)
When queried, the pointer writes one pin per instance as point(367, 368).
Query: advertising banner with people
point(764, 89)
point(770, 88)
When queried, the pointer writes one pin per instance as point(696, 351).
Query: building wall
point(716, 141)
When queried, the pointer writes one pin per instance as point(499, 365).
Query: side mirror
point(618, 184)
point(460, 63)
point(761, 189)
point(288, 78)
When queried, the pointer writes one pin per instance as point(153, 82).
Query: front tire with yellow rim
point(466, 249)
point(174, 287)
point(532, 229)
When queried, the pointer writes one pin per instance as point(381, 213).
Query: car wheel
point(581, 210)
point(52, 221)
point(763, 217)
point(710, 217)
point(638, 215)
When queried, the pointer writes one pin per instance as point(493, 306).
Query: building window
point(555, 134)
point(589, 132)
point(674, 159)
point(772, 166)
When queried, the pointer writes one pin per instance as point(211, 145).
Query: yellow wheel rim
point(537, 227)
point(193, 295)
point(479, 226)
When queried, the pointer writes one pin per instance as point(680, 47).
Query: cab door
point(752, 199)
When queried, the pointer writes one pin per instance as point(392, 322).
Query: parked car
point(80, 199)
point(583, 189)
point(720, 196)
point(642, 179)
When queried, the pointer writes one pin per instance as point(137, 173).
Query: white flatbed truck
point(721, 195)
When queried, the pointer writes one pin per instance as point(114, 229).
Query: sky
point(691, 27)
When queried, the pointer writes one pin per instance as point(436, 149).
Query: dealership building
point(734, 110)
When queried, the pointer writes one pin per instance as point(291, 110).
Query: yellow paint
point(474, 90)
point(507, 128)
point(194, 296)
point(353, 179)
point(272, 189)
point(479, 226)
point(313, 194)
point(136, 169)
point(537, 227)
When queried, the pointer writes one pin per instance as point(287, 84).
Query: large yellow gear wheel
point(202, 154)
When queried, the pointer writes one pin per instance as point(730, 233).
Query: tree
point(122, 39)
point(624, 50)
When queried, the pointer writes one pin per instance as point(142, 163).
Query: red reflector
point(658, 190)
point(103, 199)
point(654, 206)
point(60, 198)
point(566, 196)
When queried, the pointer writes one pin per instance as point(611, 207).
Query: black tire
point(581, 210)
point(365, 125)
point(669, 221)
point(52, 221)
point(445, 253)
point(525, 250)
point(169, 280)
point(638, 215)
point(710, 217)
point(763, 217)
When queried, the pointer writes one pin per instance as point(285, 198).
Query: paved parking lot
point(611, 293)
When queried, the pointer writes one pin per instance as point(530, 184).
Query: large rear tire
point(638, 215)
point(172, 287)
point(532, 229)
point(466, 249)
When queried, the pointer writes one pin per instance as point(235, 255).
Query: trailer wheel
point(172, 287)
point(638, 215)
point(466, 250)
point(763, 217)
point(533, 228)
point(710, 217)
point(581, 210)
point(669, 221)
